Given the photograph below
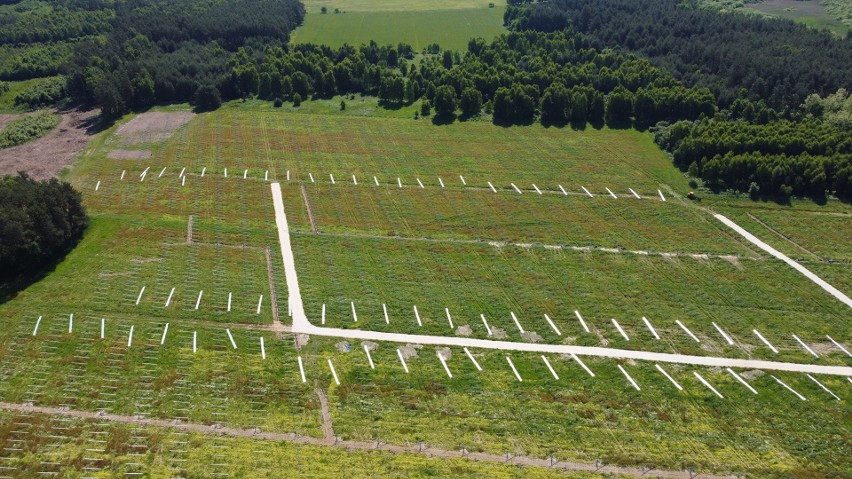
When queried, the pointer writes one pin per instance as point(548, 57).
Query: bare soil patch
point(129, 154)
point(152, 127)
point(47, 156)
point(5, 119)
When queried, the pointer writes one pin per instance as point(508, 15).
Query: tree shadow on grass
point(11, 285)
point(443, 119)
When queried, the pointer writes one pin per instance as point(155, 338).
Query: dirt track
point(46, 157)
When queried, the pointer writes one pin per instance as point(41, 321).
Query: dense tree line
point(520, 77)
point(163, 51)
point(40, 221)
point(780, 158)
point(776, 60)
point(58, 20)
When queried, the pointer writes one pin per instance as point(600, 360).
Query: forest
point(781, 90)
point(776, 60)
point(41, 222)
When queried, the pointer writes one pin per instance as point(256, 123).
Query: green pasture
point(450, 28)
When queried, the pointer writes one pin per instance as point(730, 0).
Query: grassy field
point(79, 447)
point(462, 247)
point(449, 28)
point(809, 12)
point(315, 6)
point(584, 418)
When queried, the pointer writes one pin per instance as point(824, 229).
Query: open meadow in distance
point(416, 22)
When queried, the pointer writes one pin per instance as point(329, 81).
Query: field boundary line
point(301, 324)
point(784, 237)
point(325, 413)
point(535, 244)
point(310, 210)
point(273, 298)
point(795, 265)
point(255, 433)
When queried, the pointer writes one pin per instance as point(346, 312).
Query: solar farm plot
point(161, 370)
point(322, 144)
point(504, 293)
point(553, 219)
point(517, 406)
point(87, 448)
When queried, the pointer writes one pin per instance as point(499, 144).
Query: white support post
point(549, 367)
point(553, 326)
point(582, 364)
point(629, 378)
point(517, 323)
point(402, 360)
point(417, 315)
point(723, 333)
point(487, 328)
point(369, 357)
point(472, 359)
point(621, 331)
point(741, 380)
point(709, 386)
point(651, 328)
point(683, 327)
point(582, 323)
point(444, 363)
point(668, 376)
point(514, 369)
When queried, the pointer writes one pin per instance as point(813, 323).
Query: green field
point(451, 29)
point(832, 15)
point(809, 12)
point(461, 247)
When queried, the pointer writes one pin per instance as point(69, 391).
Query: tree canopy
point(41, 221)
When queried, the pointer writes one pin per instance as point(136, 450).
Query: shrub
point(27, 128)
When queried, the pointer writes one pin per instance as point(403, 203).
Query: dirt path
point(273, 298)
point(47, 156)
point(310, 211)
point(189, 230)
point(327, 427)
point(218, 430)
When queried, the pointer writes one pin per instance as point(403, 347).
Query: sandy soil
point(152, 127)
point(129, 154)
point(46, 157)
point(6, 118)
